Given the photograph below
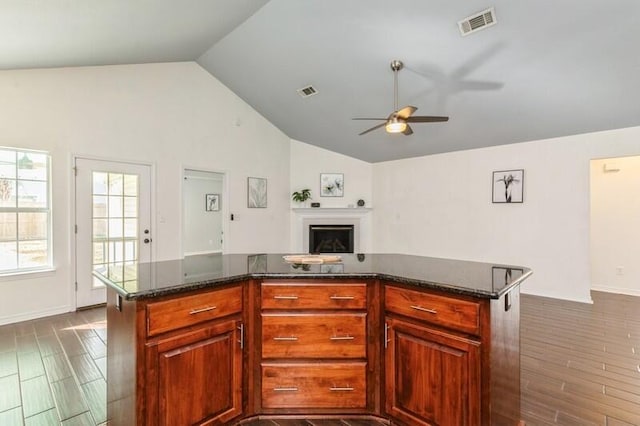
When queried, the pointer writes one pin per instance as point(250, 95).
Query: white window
point(25, 211)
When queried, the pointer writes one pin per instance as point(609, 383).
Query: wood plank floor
point(580, 366)
point(580, 363)
point(53, 371)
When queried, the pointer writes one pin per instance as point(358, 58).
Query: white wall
point(171, 115)
point(202, 231)
point(307, 162)
point(441, 206)
point(615, 225)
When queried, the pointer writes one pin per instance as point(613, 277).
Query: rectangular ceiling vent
point(305, 92)
point(477, 22)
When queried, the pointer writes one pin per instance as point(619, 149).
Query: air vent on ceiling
point(307, 91)
point(477, 21)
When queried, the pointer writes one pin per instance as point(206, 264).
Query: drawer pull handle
point(334, 297)
point(285, 339)
point(341, 338)
point(286, 389)
point(341, 389)
point(207, 309)
point(421, 309)
point(285, 297)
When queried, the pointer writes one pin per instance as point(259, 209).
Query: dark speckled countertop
point(148, 280)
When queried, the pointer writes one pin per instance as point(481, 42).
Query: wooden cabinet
point(280, 347)
point(451, 360)
point(199, 375)
point(314, 346)
point(187, 355)
point(432, 377)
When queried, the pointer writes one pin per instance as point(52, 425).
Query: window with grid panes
point(25, 211)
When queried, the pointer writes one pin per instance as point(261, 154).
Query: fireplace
point(331, 238)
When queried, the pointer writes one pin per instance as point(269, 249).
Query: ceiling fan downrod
point(396, 66)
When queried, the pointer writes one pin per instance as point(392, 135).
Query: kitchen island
point(221, 338)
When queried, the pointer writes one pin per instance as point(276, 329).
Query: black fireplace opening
point(330, 238)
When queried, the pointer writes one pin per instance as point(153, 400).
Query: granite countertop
point(148, 280)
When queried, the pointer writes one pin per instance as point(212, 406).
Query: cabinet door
point(432, 378)
point(199, 376)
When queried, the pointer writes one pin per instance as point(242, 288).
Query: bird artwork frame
point(508, 186)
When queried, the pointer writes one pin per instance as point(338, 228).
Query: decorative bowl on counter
point(312, 258)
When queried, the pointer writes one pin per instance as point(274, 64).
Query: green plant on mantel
point(301, 196)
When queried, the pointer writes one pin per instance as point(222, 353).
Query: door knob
point(147, 240)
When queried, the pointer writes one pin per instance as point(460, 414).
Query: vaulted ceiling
point(546, 69)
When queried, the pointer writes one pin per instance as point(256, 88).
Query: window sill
point(27, 275)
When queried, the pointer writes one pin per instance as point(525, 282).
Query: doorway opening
point(203, 210)
point(615, 225)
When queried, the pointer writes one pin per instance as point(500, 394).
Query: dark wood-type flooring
point(580, 367)
point(53, 371)
point(580, 363)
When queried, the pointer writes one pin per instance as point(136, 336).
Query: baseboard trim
point(198, 253)
point(35, 314)
point(627, 291)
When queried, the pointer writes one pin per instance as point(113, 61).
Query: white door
point(113, 224)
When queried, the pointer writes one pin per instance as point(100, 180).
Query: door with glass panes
point(113, 225)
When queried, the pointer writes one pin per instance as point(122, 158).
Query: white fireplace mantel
point(310, 211)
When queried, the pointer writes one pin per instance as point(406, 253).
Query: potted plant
point(301, 196)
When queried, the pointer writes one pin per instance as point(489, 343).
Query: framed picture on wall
point(331, 184)
point(508, 186)
point(212, 202)
point(256, 193)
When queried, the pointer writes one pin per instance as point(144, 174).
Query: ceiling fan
point(398, 121)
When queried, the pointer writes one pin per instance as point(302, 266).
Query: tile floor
point(53, 371)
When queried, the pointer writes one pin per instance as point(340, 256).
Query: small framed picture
point(256, 193)
point(508, 186)
point(212, 202)
point(331, 184)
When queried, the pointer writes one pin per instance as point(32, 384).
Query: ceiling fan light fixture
point(395, 126)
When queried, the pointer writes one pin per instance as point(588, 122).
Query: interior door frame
point(73, 219)
point(224, 204)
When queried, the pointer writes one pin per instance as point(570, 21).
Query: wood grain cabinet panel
point(455, 313)
point(184, 311)
point(314, 385)
point(199, 376)
point(432, 378)
point(299, 295)
point(313, 335)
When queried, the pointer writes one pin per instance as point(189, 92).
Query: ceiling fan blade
point(426, 119)
point(406, 112)
point(408, 131)
point(360, 118)
point(372, 129)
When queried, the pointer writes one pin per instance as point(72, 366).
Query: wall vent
point(477, 21)
point(307, 91)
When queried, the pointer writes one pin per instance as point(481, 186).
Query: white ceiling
point(547, 69)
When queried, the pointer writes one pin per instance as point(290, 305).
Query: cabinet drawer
point(445, 311)
point(314, 296)
point(300, 385)
point(341, 335)
point(184, 311)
